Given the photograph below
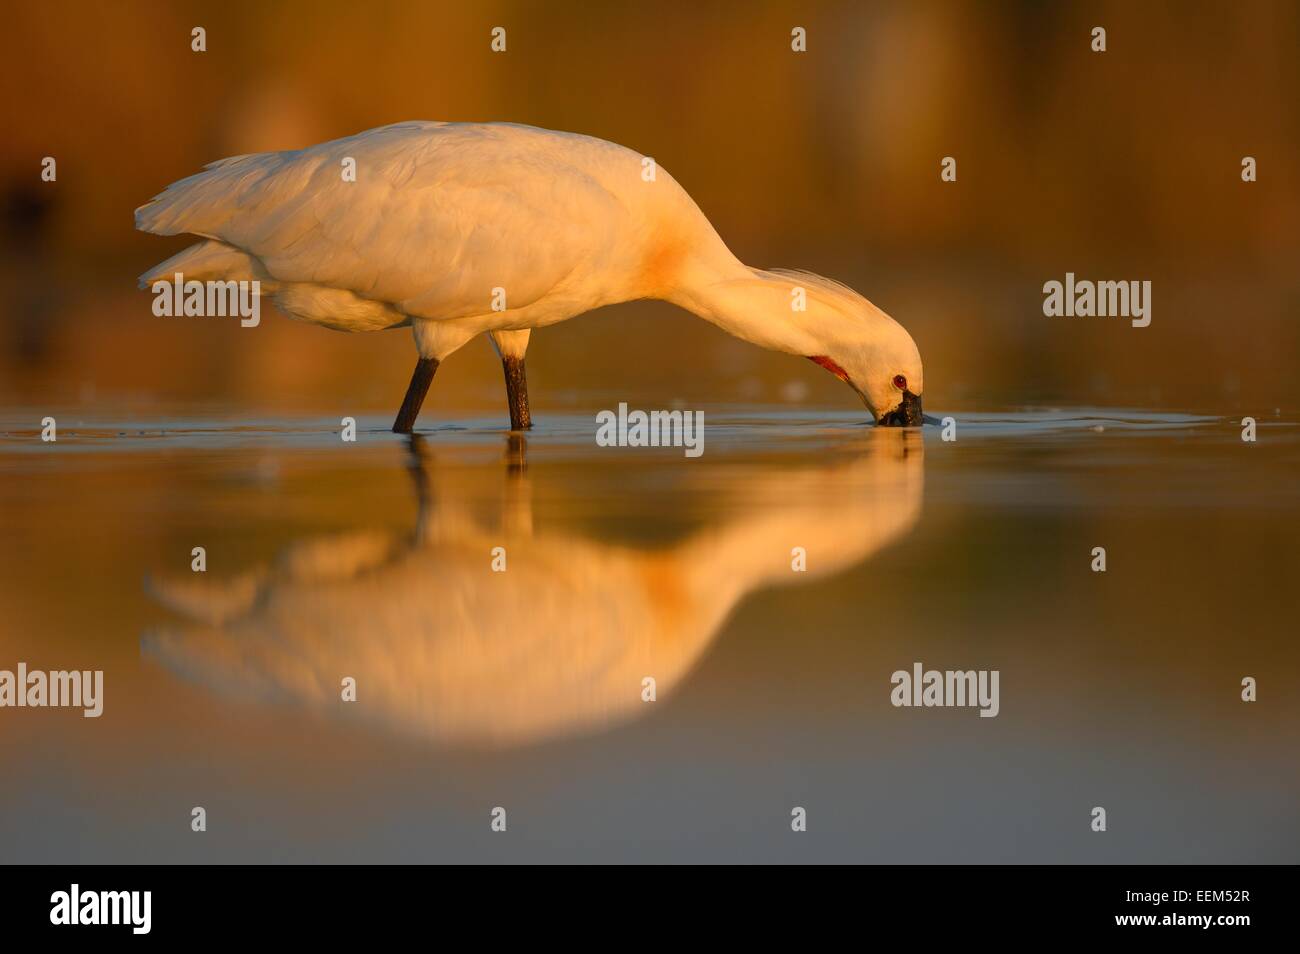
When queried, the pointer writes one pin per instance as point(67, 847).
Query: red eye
point(900, 382)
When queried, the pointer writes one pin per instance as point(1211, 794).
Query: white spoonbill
point(462, 228)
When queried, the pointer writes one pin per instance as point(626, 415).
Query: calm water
point(523, 688)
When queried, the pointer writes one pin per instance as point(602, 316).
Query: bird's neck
point(751, 305)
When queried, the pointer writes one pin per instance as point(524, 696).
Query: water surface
point(524, 688)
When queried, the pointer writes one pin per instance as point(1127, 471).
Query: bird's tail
point(202, 203)
point(206, 261)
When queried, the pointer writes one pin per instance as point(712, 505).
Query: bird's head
point(805, 314)
point(865, 348)
point(883, 366)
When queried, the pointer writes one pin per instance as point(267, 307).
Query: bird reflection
point(443, 647)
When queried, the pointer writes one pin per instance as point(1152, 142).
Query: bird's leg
point(511, 343)
point(419, 387)
point(517, 393)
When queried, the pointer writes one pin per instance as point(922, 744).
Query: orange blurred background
point(1117, 165)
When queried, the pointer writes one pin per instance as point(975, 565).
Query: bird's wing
point(438, 216)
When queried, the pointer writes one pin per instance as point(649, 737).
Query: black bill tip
point(907, 414)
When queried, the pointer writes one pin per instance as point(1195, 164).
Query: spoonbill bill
point(457, 229)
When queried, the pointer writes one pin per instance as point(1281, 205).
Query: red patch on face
point(829, 365)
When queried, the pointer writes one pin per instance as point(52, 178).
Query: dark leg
point(420, 381)
point(517, 393)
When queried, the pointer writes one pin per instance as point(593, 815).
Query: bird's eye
point(900, 382)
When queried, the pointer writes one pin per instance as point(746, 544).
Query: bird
point(461, 229)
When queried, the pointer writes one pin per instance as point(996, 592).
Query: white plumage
point(460, 229)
